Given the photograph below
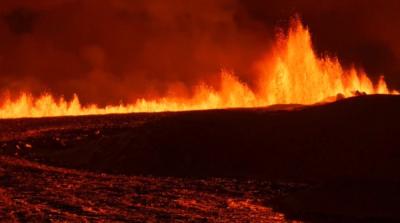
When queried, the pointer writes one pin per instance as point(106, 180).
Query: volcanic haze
point(107, 51)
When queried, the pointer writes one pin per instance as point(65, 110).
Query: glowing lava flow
point(294, 74)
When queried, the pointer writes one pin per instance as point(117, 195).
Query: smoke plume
point(111, 50)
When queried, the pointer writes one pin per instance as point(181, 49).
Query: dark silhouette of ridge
point(352, 137)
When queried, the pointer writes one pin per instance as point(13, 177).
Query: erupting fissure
point(293, 74)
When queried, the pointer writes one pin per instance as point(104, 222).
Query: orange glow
point(293, 74)
point(300, 77)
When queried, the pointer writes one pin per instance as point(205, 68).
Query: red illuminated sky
point(112, 50)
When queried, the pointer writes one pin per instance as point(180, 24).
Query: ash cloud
point(112, 50)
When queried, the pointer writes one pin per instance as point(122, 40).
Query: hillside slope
point(353, 137)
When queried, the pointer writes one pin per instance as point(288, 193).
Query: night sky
point(112, 50)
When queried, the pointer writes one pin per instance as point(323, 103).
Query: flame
point(294, 74)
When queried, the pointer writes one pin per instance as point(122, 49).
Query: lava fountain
point(292, 74)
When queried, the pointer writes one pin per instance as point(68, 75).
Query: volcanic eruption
point(291, 74)
point(285, 117)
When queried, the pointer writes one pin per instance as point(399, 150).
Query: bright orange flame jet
point(297, 76)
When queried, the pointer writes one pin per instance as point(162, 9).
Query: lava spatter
point(297, 76)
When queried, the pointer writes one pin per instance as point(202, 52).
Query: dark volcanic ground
point(349, 150)
point(39, 193)
point(34, 186)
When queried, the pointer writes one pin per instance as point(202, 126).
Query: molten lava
point(294, 74)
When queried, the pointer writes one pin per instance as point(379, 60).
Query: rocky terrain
point(348, 151)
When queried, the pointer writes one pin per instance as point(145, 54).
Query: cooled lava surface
point(31, 192)
point(35, 188)
point(215, 165)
